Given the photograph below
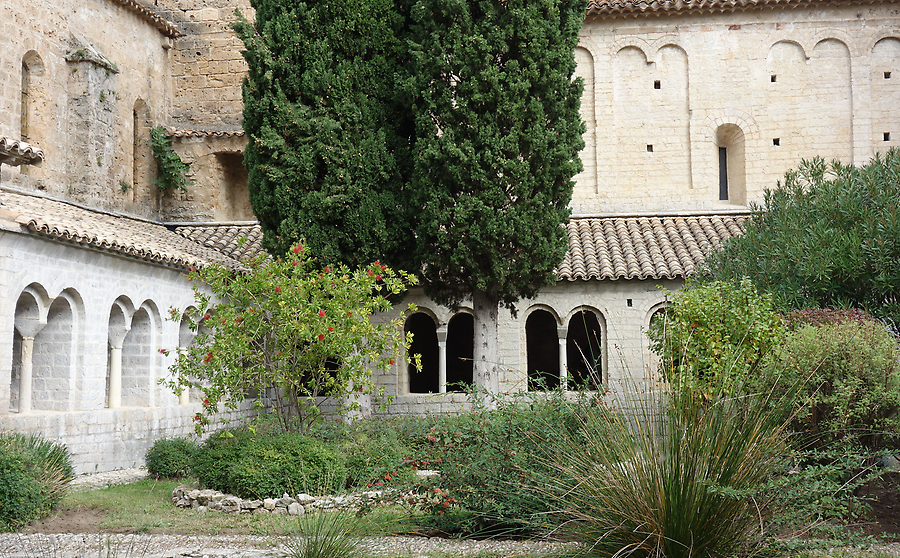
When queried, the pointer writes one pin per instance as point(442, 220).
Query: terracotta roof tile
point(636, 8)
point(124, 236)
point(239, 242)
point(643, 247)
point(17, 152)
point(206, 134)
point(166, 27)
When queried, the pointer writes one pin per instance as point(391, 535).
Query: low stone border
point(204, 500)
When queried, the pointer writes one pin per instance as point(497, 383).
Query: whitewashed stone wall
point(78, 289)
point(623, 308)
point(772, 86)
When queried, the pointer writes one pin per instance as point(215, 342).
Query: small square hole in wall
point(649, 148)
point(887, 136)
point(773, 78)
point(629, 303)
point(657, 84)
point(776, 141)
point(887, 75)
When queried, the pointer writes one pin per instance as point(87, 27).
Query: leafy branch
point(172, 169)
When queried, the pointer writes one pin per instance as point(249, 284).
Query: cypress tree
point(497, 139)
point(328, 151)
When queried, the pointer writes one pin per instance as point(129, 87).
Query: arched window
point(460, 352)
point(542, 346)
point(424, 343)
point(32, 68)
point(584, 355)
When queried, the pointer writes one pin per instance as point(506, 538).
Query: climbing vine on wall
point(172, 169)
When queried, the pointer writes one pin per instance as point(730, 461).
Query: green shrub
point(494, 462)
point(286, 463)
point(216, 455)
point(22, 498)
point(714, 335)
point(49, 463)
point(171, 457)
point(267, 463)
point(851, 378)
point(671, 484)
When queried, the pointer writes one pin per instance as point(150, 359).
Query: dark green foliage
point(22, 499)
point(714, 335)
point(171, 168)
point(850, 373)
point(328, 150)
point(266, 464)
point(498, 135)
point(171, 457)
point(495, 464)
point(828, 236)
point(286, 463)
point(217, 454)
point(34, 476)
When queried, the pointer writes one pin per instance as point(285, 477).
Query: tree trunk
point(487, 344)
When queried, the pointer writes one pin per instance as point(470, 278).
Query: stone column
point(117, 334)
point(442, 358)
point(562, 333)
point(28, 329)
point(25, 375)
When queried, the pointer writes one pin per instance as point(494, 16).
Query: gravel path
point(14, 545)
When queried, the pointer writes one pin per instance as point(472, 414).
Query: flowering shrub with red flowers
point(299, 333)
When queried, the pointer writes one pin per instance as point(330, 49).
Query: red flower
point(321, 337)
point(383, 267)
point(322, 313)
point(208, 357)
point(298, 248)
point(378, 277)
point(206, 402)
point(277, 289)
point(330, 329)
point(224, 320)
point(370, 272)
point(349, 313)
point(191, 268)
point(377, 262)
point(206, 317)
point(294, 263)
point(392, 361)
point(239, 320)
point(327, 269)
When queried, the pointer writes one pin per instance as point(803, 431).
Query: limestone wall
point(770, 86)
point(622, 308)
point(207, 65)
point(72, 302)
point(96, 77)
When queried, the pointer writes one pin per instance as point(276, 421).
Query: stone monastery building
point(693, 108)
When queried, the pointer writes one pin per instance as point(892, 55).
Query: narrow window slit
point(649, 148)
point(657, 84)
point(776, 141)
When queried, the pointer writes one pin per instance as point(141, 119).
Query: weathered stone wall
point(771, 86)
point(207, 67)
point(218, 189)
point(88, 67)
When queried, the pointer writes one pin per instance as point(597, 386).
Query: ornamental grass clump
point(324, 535)
point(677, 475)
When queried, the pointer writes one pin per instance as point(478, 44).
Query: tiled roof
point(17, 152)
point(124, 236)
point(643, 247)
point(167, 28)
point(206, 134)
point(239, 241)
point(635, 8)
